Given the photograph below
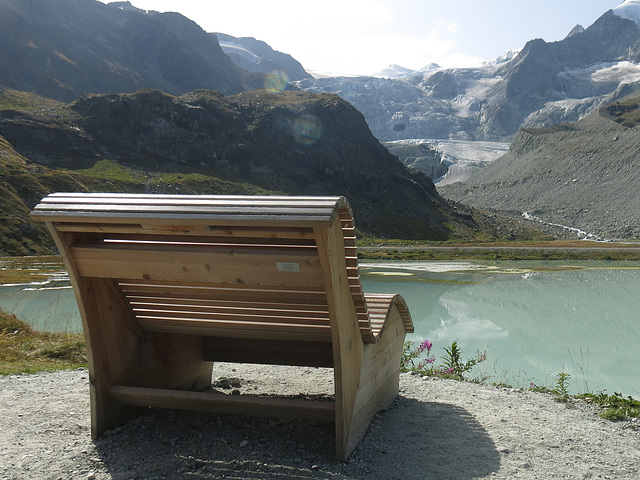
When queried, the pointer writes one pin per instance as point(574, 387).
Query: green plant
point(502, 385)
point(562, 387)
point(411, 361)
point(539, 388)
point(452, 366)
point(613, 407)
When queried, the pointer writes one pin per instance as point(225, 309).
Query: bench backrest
point(224, 266)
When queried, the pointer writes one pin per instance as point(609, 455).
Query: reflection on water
point(47, 304)
point(534, 319)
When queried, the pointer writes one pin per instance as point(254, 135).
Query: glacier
point(629, 9)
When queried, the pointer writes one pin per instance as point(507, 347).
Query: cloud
point(451, 27)
point(335, 36)
point(264, 18)
point(369, 54)
point(359, 13)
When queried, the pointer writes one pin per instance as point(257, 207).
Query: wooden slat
point(237, 329)
point(350, 241)
point(185, 213)
point(247, 315)
point(186, 230)
point(227, 404)
point(206, 311)
point(351, 252)
point(140, 202)
point(145, 202)
point(218, 304)
point(354, 276)
point(213, 265)
point(398, 302)
point(210, 239)
point(75, 196)
point(265, 232)
point(352, 263)
point(293, 295)
point(182, 209)
point(187, 208)
point(180, 221)
point(231, 291)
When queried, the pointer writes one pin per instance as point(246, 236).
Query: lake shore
point(436, 429)
point(554, 250)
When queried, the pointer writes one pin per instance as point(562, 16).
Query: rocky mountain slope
point(583, 175)
point(256, 56)
point(66, 48)
point(203, 142)
point(544, 83)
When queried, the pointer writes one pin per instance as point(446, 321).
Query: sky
point(360, 37)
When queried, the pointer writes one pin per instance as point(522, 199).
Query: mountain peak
point(126, 6)
point(629, 9)
point(396, 71)
point(575, 30)
point(68, 48)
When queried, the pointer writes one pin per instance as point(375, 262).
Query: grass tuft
point(25, 350)
point(614, 407)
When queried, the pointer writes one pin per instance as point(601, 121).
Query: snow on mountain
point(446, 161)
point(240, 50)
point(536, 86)
point(126, 6)
point(629, 9)
point(398, 71)
point(395, 71)
point(465, 158)
point(606, 75)
point(257, 56)
point(505, 57)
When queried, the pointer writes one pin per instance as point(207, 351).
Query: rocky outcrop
point(294, 142)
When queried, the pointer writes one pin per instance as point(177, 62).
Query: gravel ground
point(436, 429)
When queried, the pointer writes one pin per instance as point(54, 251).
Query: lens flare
point(307, 129)
point(276, 81)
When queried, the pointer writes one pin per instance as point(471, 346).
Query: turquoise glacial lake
point(533, 319)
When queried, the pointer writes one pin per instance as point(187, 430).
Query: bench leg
point(378, 386)
point(120, 353)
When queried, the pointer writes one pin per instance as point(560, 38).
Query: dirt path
point(436, 429)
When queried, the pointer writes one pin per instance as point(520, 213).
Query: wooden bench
point(169, 284)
